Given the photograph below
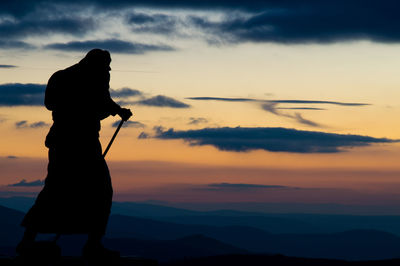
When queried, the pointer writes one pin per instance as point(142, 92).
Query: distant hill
point(140, 209)
point(271, 222)
point(163, 250)
point(274, 260)
point(351, 245)
point(10, 229)
point(17, 203)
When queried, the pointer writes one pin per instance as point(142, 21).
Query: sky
point(233, 101)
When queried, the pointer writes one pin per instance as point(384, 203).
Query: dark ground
point(231, 260)
point(77, 261)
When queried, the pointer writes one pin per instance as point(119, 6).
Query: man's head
point(97, 59)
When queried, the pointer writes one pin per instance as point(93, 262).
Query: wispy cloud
point(273, 106)
point(143, 135)
point(197, 120)
point(162, 101)
point(222, 99)
point(242, 139)
point(276, 101)
point(300, 119)
point(24, 183)
point(134, 124)
point(15, 44)
point(155, 23)
point(244, 186)
point(25, 124)
point(7, 66)
point(300, 108)
point(112, 45)
point(125, 92)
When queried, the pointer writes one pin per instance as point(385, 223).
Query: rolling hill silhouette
point(271, 222)
point(143, 237)
point(10, 230)
point(164, 250)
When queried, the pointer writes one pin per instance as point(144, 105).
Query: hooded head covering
point(97, 58)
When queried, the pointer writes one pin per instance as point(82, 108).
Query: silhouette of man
point(77, 195)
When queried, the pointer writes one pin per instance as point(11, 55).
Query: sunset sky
point(233, 101)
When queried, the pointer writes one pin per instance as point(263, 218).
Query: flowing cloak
point(77, 194)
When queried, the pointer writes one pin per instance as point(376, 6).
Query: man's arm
point(115, 109)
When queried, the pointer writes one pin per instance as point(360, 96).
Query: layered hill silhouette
point(352, 245)
point(275, 260)
point(271, 222)
point(164, 240)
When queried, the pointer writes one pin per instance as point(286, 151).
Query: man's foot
point(99, 252)
point(43, 250)
point(24, 247)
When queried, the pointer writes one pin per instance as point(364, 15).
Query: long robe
point(77, 194)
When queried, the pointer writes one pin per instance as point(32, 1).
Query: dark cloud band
point(14, 94)
point(287, 22)
point(7, 66)
point(40, 26)
point(14, 44)
point(163, 101)
point(112, 45)
point(241, 139)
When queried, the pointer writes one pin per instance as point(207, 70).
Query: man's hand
point(125, 113)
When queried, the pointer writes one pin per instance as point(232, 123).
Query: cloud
point(25, 124)
point(153, 23)
point(300, 108)
point(38, 124)
point(243, 139)
point(302, 22)
point(143, 135)
point(14, 94)
point(299, 118)
point(134, 124)
point(12, 157)
point(7, 66)
point(287, 22)
point(318, 102)
point(24, 183)
point(271, 107)
point(39, 25)
point(222, 99)
point(112, 45)
point(125, 92)
point(242, 186)
point(12, 44)
point(197, 120)
point(275, 101)
point(163, 101)
point(21, 124)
